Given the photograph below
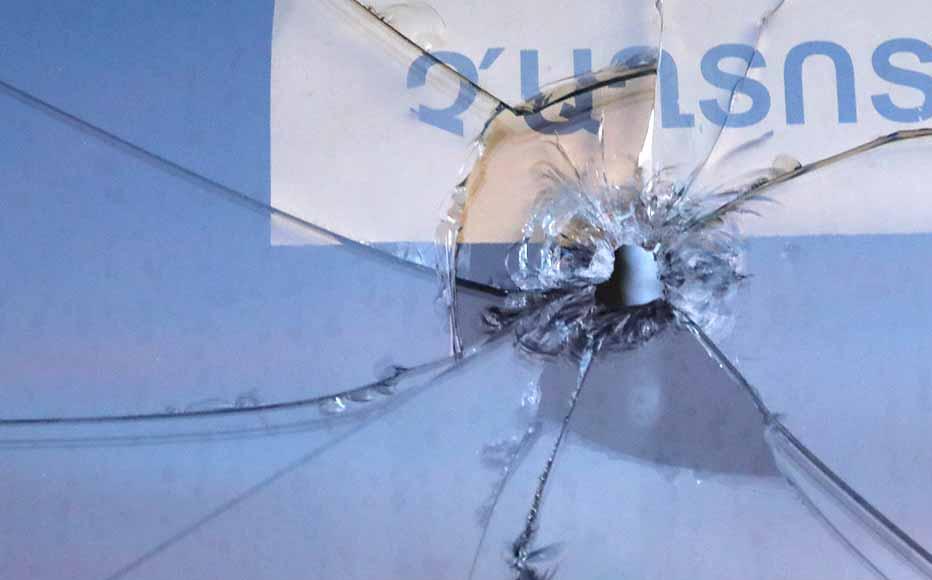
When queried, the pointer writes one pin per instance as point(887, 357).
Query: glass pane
point(659, 311)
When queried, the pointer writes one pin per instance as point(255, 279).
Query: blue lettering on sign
point(907, 78)
point(448, 118)
point(582, 104)
point(670, 114)
point(844, 80)
point(715, 76)
point(576, 113)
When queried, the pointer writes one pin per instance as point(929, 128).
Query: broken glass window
point(632, 290)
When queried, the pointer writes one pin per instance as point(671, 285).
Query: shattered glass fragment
point(565, 262)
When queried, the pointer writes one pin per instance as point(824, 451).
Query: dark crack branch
point(891, 536)
point(765, 19)
point(360, 403)
point(522, 546)
point(754, 191)
point(230, 194)
point(559, 95)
